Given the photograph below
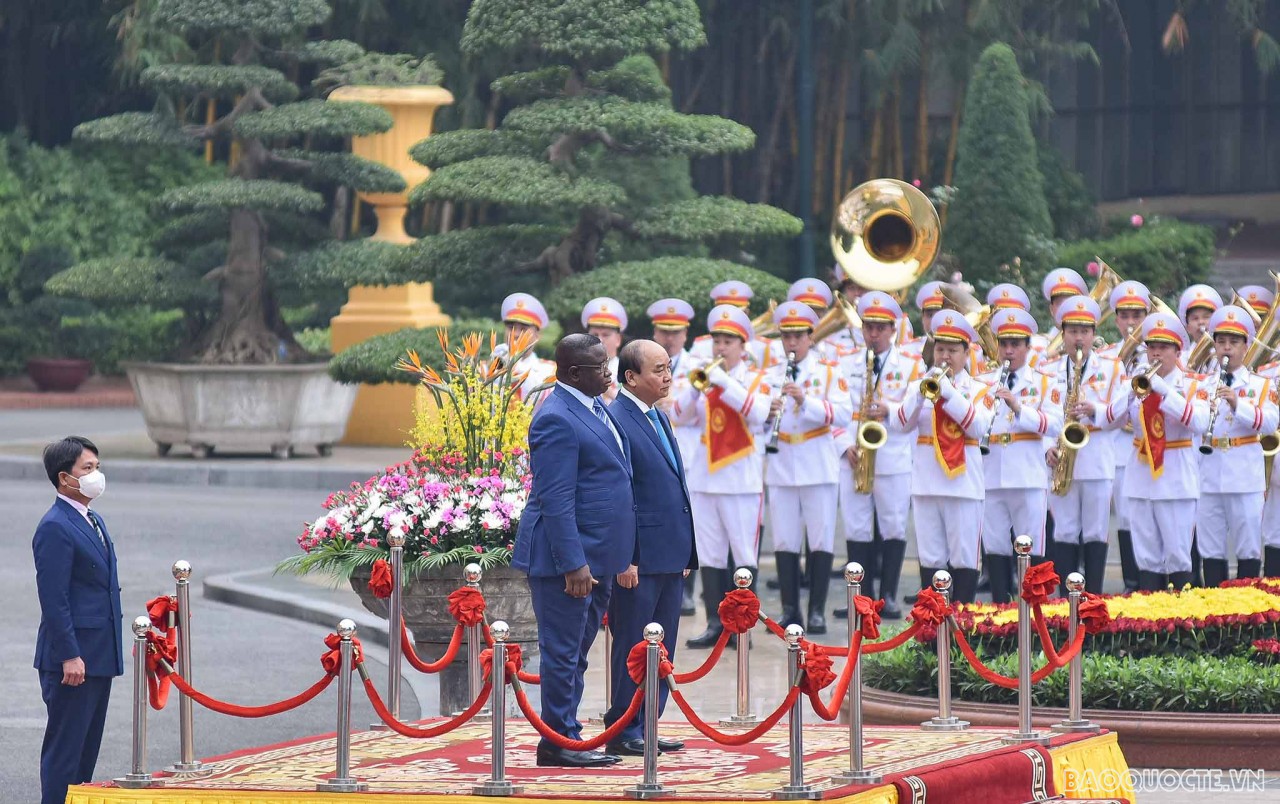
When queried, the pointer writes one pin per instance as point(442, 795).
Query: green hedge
point(1166, 255)
point(1185, 683)
point(373, 361)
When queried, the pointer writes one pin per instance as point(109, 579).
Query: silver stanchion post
point(1075, 718)
point(742, 579)
point(649, 787)
point(342, 781)
point(187, 765)
point(608, 670)
point(138, 777)
point(853, 575)
point(472, 575)
point(944, 721)
point(796, 789)
point(497, 784)
point(395, 617)
point(1024, 734)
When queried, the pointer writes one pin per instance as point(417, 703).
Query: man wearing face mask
point(79, 646)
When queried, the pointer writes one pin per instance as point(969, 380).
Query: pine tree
point(232, 243)
point(999, 211)
point(562, 179)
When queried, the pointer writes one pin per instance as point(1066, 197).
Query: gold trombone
point(842, 316)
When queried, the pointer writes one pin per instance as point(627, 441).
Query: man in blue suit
point(577, 532)
point(651, 589)
point(79, 647)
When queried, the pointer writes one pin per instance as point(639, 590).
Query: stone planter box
point(272, 408)
point(1149, 739)
point(426, 613)
point(58, 374)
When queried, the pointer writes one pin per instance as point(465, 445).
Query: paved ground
point(233, 533)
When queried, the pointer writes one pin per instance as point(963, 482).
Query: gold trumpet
point(698, 377)
point(1141, 383)
point(931, 385)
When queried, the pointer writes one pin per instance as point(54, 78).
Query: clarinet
point(793, 371)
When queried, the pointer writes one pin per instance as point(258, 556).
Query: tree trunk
point(769, 154)
point(922, 116)
point(896, 117)
point(954, 139)
point(838, 186)
point(876, 147)
point(579, 251)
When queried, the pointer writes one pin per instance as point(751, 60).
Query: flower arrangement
point(460, 497)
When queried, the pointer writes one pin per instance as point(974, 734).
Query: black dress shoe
point(840, 614)
point(707, 638)
point(817, 624)
point(630, 748)
point(565, 758)
point(670, 745)
point(890, 610)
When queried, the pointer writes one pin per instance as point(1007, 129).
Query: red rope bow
point(870, 612)
point(929, 611)
point(380, 579)
point(1094, 615)
point(818, 674)
point(636, 662)
point(159, 609)
point(514, 661)
point(331, 659)
point(1040, 582)
point(466, 605)
point(739, 611)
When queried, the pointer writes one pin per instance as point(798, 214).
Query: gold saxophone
point(1074, 435)
point(871, 434)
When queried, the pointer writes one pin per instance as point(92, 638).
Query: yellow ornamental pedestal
point(384, 414)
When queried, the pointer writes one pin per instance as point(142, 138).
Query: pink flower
point(1136, 221)
point(1093, 268)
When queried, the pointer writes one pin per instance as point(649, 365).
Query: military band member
point(1008, 296)
point(1059, 285)
point(852, 291)
point(816, 294)
point(523, 313)
point(725, 471)
point(947, 485)
point(1130, 303)
point(606, 319)
point(1258, 298)
point(1081, 517)
point(670, 319)
point(1024, 417)
point(1196, 306)
point(801, 477)
point(1271, 507)
point(1231, 477)
point(892, 372)
point(1163, 479)
point(929, 300)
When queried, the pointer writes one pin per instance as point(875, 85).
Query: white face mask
point(92, 485)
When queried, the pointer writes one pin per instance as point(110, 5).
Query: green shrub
point(638, 284)
point(1188, 683)
point(999, 211)
point(373, 361)
point(317, 340)
point(133, 334)
point(1071, 205)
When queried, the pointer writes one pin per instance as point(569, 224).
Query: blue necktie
point(598, 409)
point(97, 528)
point(662, 436)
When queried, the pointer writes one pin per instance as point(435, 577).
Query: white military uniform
point(687, 437)
point(1122, 443)
point(1271, 507)
point(802, 475)
point(1162, 510)
point(1231, 477)
point(1016, 476)
point(947, 511)
point(537, 372)
point(726, 501)
point(891, 494)
point(1083, 514)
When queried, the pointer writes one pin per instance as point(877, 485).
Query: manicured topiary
point(588, 169)
point(232, 243)
point(999, 211)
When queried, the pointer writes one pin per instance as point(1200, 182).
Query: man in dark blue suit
point(79, 647)
point(577, 532)
point(651, 589)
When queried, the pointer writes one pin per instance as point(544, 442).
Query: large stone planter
point(273, 408)
point(1149, 739)
point(426, 613)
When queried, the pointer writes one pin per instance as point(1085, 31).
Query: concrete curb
point(175, 473)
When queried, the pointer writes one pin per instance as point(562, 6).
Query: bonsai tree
point(587, 168)
point(229, 247)
point(999, 212)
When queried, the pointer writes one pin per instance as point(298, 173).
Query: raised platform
point(969, 767)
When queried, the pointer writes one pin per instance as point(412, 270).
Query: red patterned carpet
point(955, 768)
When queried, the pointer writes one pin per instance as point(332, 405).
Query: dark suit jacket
point(664, 524)
point(79, 594)
point(580, 508)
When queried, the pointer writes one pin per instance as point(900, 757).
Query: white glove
point(946, 388)
point(1159, 385)
point(718, 377)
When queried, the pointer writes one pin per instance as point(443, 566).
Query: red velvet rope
point(739, 611)
point(513, 664)
point(895, 641)
point(380, 581)
point(773, 626)
point(432, 731)
point(265, 710)
point(745, 737)
point(160, 650)
point(450, 653)
point(842, 686)
point(1046, 640)
point(1010, 682)
point(717, 651)
point(562, 742)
